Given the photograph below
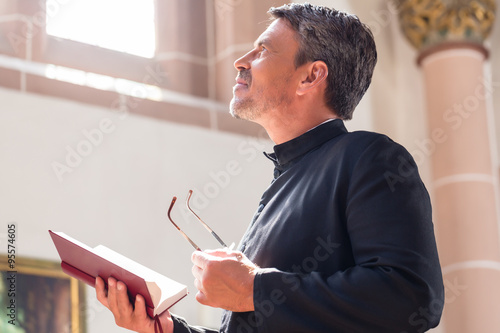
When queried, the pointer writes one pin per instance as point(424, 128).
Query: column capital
point(429, 23)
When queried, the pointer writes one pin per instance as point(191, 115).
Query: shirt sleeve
point(395, 284)
point(181, 326)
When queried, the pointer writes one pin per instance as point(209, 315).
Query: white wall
point(118, 194)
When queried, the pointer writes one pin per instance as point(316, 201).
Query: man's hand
point(224, 279)
point(127, 316)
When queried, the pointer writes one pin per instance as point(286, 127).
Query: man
point(342, 240)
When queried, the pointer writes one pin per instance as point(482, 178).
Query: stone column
point(449, 36)
point(181, 39)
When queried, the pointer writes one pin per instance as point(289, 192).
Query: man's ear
point(315, 73)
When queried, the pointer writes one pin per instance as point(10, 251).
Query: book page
point(160, 287)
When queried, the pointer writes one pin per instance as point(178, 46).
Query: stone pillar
point(449, 36)
point(181, 39)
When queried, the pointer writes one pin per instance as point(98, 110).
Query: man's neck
point(283, 131)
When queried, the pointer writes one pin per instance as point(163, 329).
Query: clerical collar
point(326, 121)
point(287, 152)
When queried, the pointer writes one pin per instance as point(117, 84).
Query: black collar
point(290, 151)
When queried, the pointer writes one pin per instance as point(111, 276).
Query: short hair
point(343, 42)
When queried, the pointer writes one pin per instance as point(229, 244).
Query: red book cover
point(85, 264)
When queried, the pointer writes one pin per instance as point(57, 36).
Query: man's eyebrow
point(262, 41)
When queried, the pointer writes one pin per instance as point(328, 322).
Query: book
point(85, 264)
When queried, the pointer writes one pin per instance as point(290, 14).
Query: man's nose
point(243, 62)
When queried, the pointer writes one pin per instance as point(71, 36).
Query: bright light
point(103, 82)
point(120, 25)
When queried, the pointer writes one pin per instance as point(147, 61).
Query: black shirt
point(346, 238)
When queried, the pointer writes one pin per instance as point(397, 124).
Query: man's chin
point(238, 114)
point(243, 109)
point(234, 114)
point(235, 109)
point(232, 110)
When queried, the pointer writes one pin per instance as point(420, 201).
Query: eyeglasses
point(199, 219)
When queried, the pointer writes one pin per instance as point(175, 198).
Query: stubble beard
point(250, 109)
point(246, 109)
point(253, 107)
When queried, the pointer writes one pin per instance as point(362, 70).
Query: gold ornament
point(427, 23)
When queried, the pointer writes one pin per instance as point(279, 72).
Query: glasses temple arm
point(182, 232)
point(204, 224)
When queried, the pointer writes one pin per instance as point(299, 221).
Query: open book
point(85, 263)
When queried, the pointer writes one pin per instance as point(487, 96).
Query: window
point(121, 25)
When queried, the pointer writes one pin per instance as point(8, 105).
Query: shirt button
point(276, 173)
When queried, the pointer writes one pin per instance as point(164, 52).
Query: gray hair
point(341, 41)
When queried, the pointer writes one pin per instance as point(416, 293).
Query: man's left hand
point(224, 279)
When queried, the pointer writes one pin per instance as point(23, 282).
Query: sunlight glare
point(121, 25)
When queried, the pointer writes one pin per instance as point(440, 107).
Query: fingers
point(140, 308)
point(127, 315)
point(197, 272)
point(118, 298)
point(224, 279)
point(122, 300)
point(102, 295)
point(200, 295)
point(198, 284)
point(201, 259)
point(119, 304)
point(222, 253)
point(112, 302)
point(208, 263)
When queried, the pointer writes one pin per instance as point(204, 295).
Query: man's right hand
point(134, 318)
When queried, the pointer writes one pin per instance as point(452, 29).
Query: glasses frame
point(174, 199)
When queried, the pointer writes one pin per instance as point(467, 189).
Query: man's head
point(267, 76)
point(340, 40)
point(323, 35)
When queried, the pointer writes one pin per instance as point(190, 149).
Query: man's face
point(265, 81)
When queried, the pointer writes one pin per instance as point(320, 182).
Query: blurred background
point(110, 108)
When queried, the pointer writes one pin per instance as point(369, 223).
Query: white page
point(155, 281)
